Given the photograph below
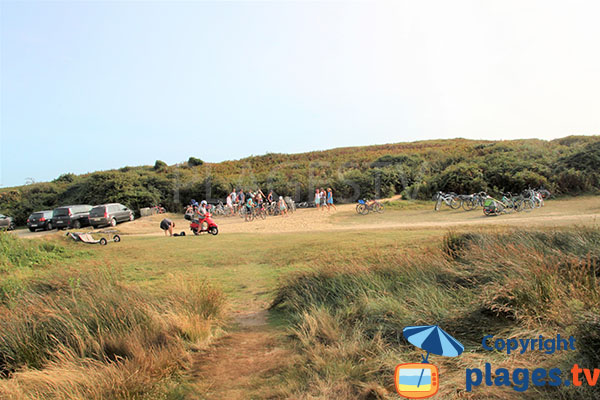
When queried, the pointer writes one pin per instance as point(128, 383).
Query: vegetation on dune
point(416, 170)
point(348, 319)
point(83, 334)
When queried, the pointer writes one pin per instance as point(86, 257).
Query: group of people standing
point(249, 200)
point(324, 199)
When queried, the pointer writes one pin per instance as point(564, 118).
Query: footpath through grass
point(247, 267)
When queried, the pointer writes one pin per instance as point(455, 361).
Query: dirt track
point(582, 211)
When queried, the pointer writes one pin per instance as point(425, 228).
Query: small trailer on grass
point(87, 237)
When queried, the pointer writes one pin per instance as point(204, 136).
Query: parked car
point(7, 223)
point(71, 216)
point(110, 214)
point(40, 220)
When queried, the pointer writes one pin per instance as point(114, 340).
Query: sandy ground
point(581, 211)
point(584, 211)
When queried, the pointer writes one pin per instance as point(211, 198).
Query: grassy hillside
point(417, 170)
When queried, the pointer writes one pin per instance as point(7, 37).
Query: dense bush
point(195, 162)
point(415, 170)
point(160, 165)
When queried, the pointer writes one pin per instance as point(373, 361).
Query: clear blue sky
point(87, 86)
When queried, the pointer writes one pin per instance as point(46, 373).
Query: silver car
point(7, 223)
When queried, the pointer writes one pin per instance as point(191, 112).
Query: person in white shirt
point(230, 203)
point(317, 198)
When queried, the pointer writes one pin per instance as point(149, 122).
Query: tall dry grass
point(348, 320)
point(87, 336)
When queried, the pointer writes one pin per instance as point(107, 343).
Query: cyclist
point(270, 197)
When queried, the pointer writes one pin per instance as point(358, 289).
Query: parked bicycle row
point(526, 200)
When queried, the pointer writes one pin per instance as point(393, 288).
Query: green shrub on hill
point(415, 170)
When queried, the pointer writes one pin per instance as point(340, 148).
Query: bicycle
point(450, 199)
point(291, 205)
point(365, 206)
point(473, 201)
point(259, 212)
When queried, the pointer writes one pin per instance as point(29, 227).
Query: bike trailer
point(489, 206)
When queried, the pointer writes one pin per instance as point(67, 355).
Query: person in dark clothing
point(167, 225)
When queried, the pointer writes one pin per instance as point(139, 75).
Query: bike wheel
point(469, 205)
point(378, 208)
point(455, 203)
point(362, 209)
point(519, 205)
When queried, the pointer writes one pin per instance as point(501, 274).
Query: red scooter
point(205, 224)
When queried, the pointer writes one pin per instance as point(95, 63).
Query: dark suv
point(40, 220)
point(7, 223)
point(110, 214)
point(71, 216)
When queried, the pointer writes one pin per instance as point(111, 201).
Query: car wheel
point(49, 226)
point(76, 224)
point(31, 229)
point(113, 222)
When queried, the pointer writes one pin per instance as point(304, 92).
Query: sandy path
point(241, 365)
point(583, 211)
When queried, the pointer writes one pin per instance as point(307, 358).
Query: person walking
point(323, 197)
point(282, 207)
point(230, 204)
point(330, 199)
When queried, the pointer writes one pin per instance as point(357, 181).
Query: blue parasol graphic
point(432, 339)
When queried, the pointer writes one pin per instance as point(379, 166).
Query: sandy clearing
point(582, 211)
point(578, 211)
